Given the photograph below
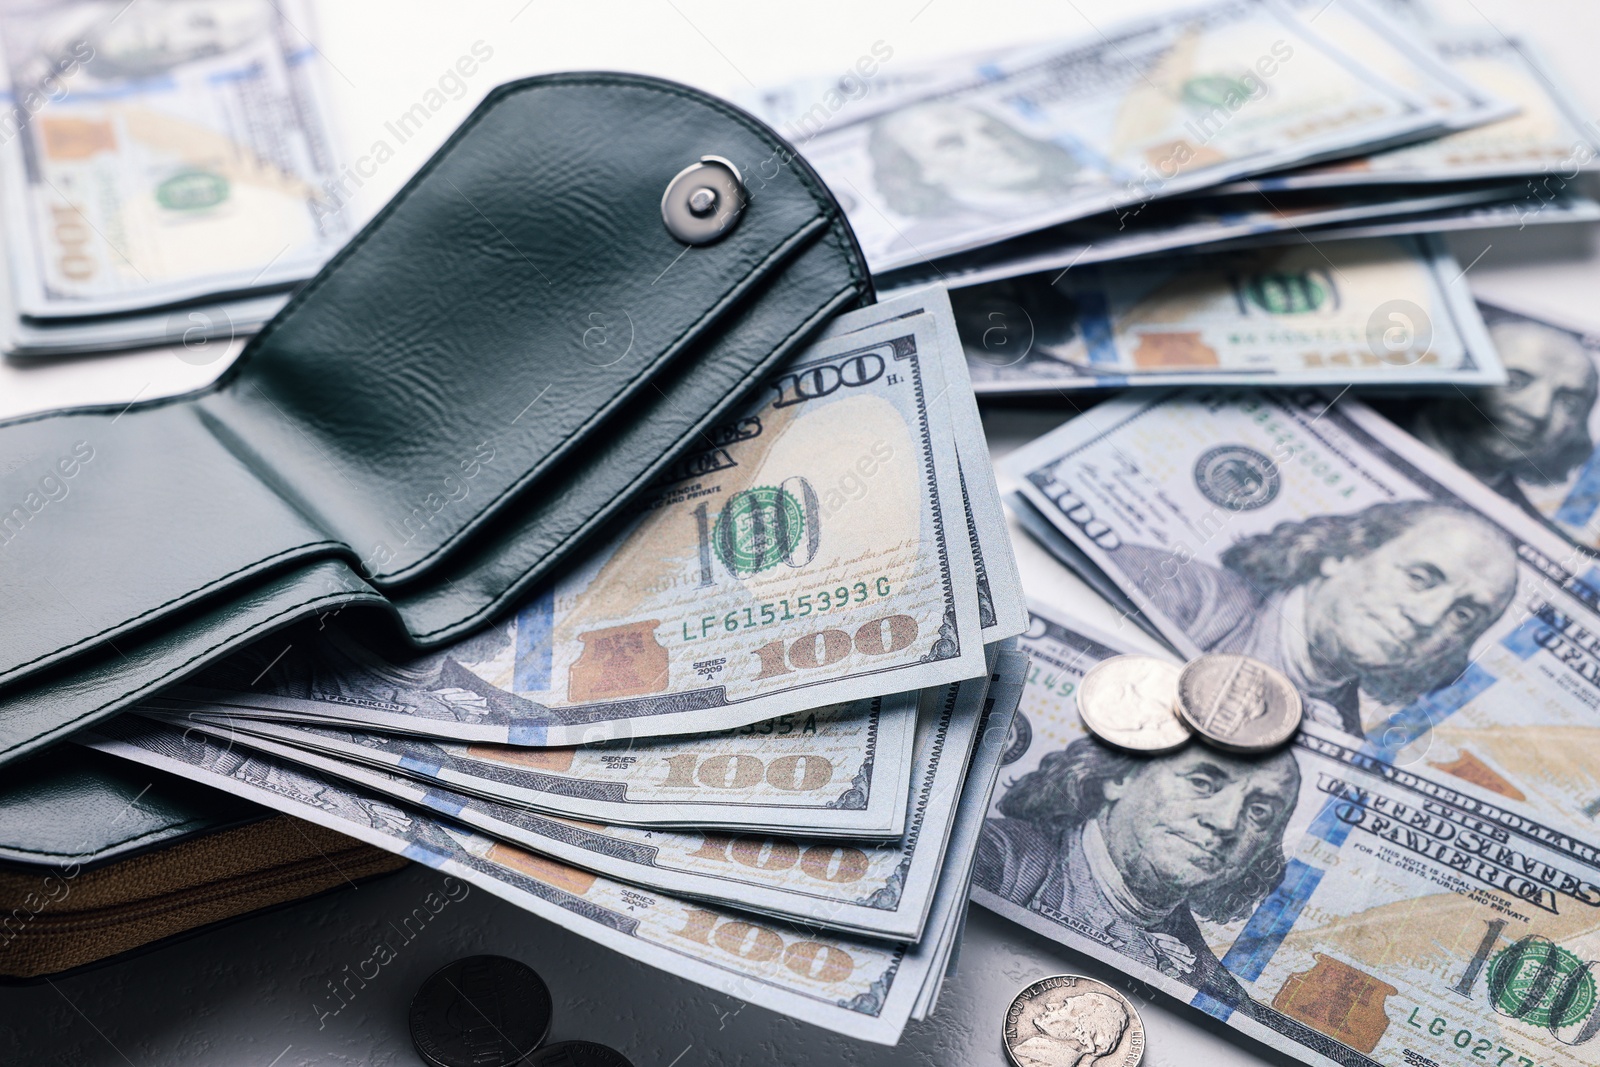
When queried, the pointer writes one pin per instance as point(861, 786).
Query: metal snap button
point(704, 201)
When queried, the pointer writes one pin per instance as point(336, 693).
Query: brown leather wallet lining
point(55, 919)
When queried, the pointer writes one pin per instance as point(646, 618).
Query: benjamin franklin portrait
point(939, 159)
point(1385, 602)
point(1532, 431)
point(1130, 850)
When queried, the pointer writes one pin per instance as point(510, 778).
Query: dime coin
point(1238, 703)
point(578, 1054)
point(1132, 702)
point(1068, 1021)
point(481, 1011)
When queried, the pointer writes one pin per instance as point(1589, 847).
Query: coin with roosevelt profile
point(1237, 703)
point(1131, 702)
point(1071, 1021)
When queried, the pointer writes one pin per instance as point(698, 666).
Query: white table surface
point(247, 994)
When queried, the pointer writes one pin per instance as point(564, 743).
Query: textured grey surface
point(255, 994)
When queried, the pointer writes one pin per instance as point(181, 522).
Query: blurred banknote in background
point(1389, 312)
point(1532, 440)
point(160, 153)
point(1546, 132)
point(178, 152)
point(1204, 221)
point(1046, 134)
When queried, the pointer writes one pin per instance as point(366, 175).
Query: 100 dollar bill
point(1043, 135)
point(817, 553)
point(1002, 609)
point(1546, 132)
point(1533, 441)
point(1202, 221)
point(879, 889)
point(838, 770)
point(174, 154)
point(1341, 906)
point(1408, 603)
point(1387, 311)
point(867, 989)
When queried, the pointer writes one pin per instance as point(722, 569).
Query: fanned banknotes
point(165, 152)
point(1410, 604)
point(1529, 206)
point(817, 552)
point(881, 889)
point(1344, 906)
point(1407, 58)
point(867, 989)
point(1002, 610)
point(1386, 311)
point(1042, 135)
point(838, 770)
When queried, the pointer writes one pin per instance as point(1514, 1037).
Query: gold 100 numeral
point(880, 637)
point(835, 864)
point(72, 234)
point(794, 774)
point(760, 944)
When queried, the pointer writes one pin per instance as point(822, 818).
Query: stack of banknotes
point(1235, 122)
point(167, 171)
point(1408, 529)
point(1415, 878)
point(750, 741)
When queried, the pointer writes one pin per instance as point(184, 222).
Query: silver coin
point(1132, 702)
point(1238, 703)
point(1072, 1021)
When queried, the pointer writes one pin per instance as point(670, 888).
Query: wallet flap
point(512, 312)
point(418, 382)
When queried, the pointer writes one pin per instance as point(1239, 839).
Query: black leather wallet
point(536, 326)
